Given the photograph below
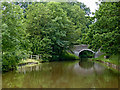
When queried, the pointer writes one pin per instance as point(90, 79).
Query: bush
point(11, 59)
point(68, 56)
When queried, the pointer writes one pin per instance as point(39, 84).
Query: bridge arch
point(77, 49)
point(86, 50)
point(82, 51)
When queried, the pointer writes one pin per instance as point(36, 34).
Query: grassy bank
point(68, 56)
point(31, 62)
point(114, 59)
point(27, 60)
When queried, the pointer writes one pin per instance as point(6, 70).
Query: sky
point(90, 3)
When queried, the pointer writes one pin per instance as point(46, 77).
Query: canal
point(63, 74)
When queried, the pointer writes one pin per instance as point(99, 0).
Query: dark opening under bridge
point(77, 49)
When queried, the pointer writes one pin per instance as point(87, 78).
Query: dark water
point(65, 74)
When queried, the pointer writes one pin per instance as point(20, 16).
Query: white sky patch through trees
point(91, 4)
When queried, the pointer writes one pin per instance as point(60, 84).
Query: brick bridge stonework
point(79, 48)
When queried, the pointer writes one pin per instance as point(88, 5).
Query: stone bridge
point(77, 49)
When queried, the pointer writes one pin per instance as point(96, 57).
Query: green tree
point(48, 22)
point(77, 16)
point(15, 45)
point(104, 33)
point(37, 18)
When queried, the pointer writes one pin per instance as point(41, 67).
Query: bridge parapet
point(79, 48)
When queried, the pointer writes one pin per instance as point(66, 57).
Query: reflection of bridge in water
point(83, 69)
point(77, 49)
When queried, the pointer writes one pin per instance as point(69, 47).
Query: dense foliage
point(104, 33)
point(53, 27)
point(15, 45)
point(47, 29)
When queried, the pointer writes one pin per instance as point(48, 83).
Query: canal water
point(64, 74)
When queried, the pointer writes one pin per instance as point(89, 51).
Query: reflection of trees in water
point(59, 75)
point(87, 68)
point(86, 64)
